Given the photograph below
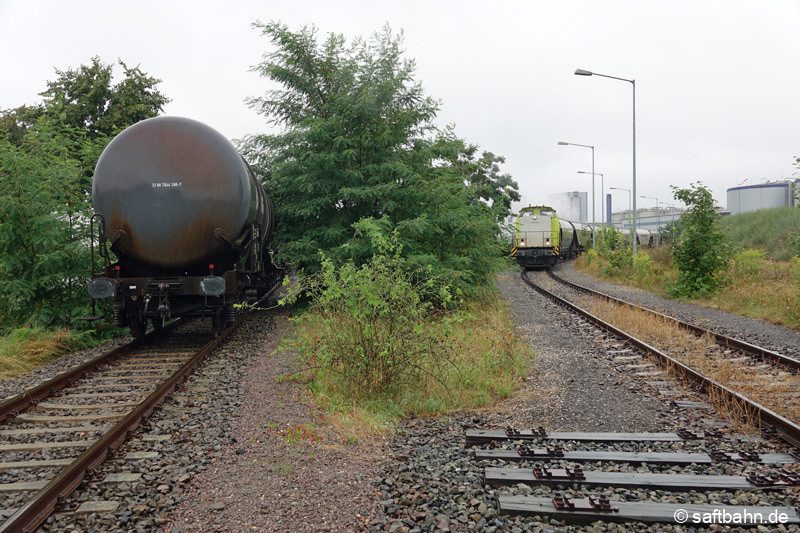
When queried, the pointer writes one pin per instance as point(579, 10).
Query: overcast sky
point(717, 81)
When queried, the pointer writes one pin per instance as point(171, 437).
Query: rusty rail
point(33, 513)
point(731, 342)
point(787, 429)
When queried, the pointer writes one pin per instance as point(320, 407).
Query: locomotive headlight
point(103, 288)
point(547, 242)
point(522, 242)
point(212, 285)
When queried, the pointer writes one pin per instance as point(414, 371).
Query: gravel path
point(268, 481)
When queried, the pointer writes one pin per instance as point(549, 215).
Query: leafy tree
point(85, 98)
point(47, 154)
point(43, 258)
point(358, 143)
point(14, 123)
point(701, 253)
point(490, 185)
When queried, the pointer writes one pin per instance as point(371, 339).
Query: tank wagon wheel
point(223, 317)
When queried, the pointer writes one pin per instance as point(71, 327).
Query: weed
point(440, 361)
point(291, 433)
point(26, 348)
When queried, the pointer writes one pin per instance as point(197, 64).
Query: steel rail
point(16, 404)
point(43, 504)
point(731, 342)
point(787, 429)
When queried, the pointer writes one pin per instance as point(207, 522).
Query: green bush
point(642, 265)
point(701, 251)
point(620, 261)
point(373, 341)
point(368, 321)
point(748, 263)
point(370, 318)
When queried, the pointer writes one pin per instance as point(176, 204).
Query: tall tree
point(701, 251)
point(85, 98)
point(358, 142)
point(43, 258)
point(47, 154)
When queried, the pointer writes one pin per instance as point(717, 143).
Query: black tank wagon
point(188, 222)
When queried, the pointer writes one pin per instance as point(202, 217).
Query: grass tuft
point(23, 349)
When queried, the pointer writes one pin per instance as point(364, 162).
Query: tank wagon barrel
point(187, 220)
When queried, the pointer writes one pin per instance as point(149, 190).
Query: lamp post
point(658, 213)
point(671, 213)
point(602, 196)
point(581, 72)
point(633, 232)
point(594, 223)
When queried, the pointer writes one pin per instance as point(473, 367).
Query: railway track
point(687, 477)
point(54, 436)
point(741, 347)
point(788, 429)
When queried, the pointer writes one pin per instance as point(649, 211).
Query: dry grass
point(24, 349)
point(769, 291)
point(773, 389)
point(759, 288)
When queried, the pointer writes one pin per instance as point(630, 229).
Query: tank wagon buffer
point(188, 222)
point(542, 239)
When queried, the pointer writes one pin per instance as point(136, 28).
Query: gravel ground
point(271, 481)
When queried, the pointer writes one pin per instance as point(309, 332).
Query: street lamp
point(633, 234)
point(581, 72)
point(602, 196)
point(658, 213)
point(594, 222)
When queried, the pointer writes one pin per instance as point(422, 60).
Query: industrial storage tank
point(762, 196)
point(174, 194)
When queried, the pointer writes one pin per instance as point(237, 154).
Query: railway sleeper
point(555, 477)
point(588, 510)
point(663, 458)
point(476, 437)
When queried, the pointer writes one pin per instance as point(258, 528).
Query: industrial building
point(762, 196)
point(573, 205)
